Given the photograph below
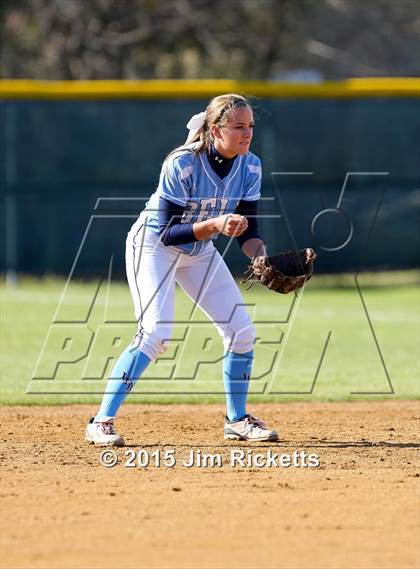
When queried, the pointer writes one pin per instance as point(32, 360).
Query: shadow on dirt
point(284, 445)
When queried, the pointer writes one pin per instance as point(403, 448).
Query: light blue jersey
point(188, 180)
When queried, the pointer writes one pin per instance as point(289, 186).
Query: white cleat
point(102, 433)
point(248, 428)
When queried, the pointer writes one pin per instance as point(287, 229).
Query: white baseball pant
point(152, 271)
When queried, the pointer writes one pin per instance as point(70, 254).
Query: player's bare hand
point(232, 224)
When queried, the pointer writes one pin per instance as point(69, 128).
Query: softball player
point(208, 186)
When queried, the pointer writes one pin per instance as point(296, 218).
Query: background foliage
point(239, 39)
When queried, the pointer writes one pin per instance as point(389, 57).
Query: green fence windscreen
point(80, 171)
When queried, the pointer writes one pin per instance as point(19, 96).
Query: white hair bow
point(194, 125)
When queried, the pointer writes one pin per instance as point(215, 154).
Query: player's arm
point(250, 240)
point(173, 232)
point(230, 224)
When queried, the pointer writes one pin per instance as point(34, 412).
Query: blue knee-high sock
point(128, 368)
point(236, 374)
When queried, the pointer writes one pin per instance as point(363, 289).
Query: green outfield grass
point(327, 344)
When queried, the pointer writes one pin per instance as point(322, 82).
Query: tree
point(239, 39)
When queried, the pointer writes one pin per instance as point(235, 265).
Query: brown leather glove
point(284, 272)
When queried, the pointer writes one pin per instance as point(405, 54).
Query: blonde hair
point(218, 112)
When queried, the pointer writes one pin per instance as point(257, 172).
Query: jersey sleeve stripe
point(254, 169)
point(186, 172)
point(177, 200)
point(249, 190)
point(251, 198)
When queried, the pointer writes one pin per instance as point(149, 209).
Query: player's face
point(235, 136)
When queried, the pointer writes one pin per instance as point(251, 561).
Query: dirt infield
point(62, 509)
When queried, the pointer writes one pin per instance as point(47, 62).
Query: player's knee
point(241, 341)
point(153, 344)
